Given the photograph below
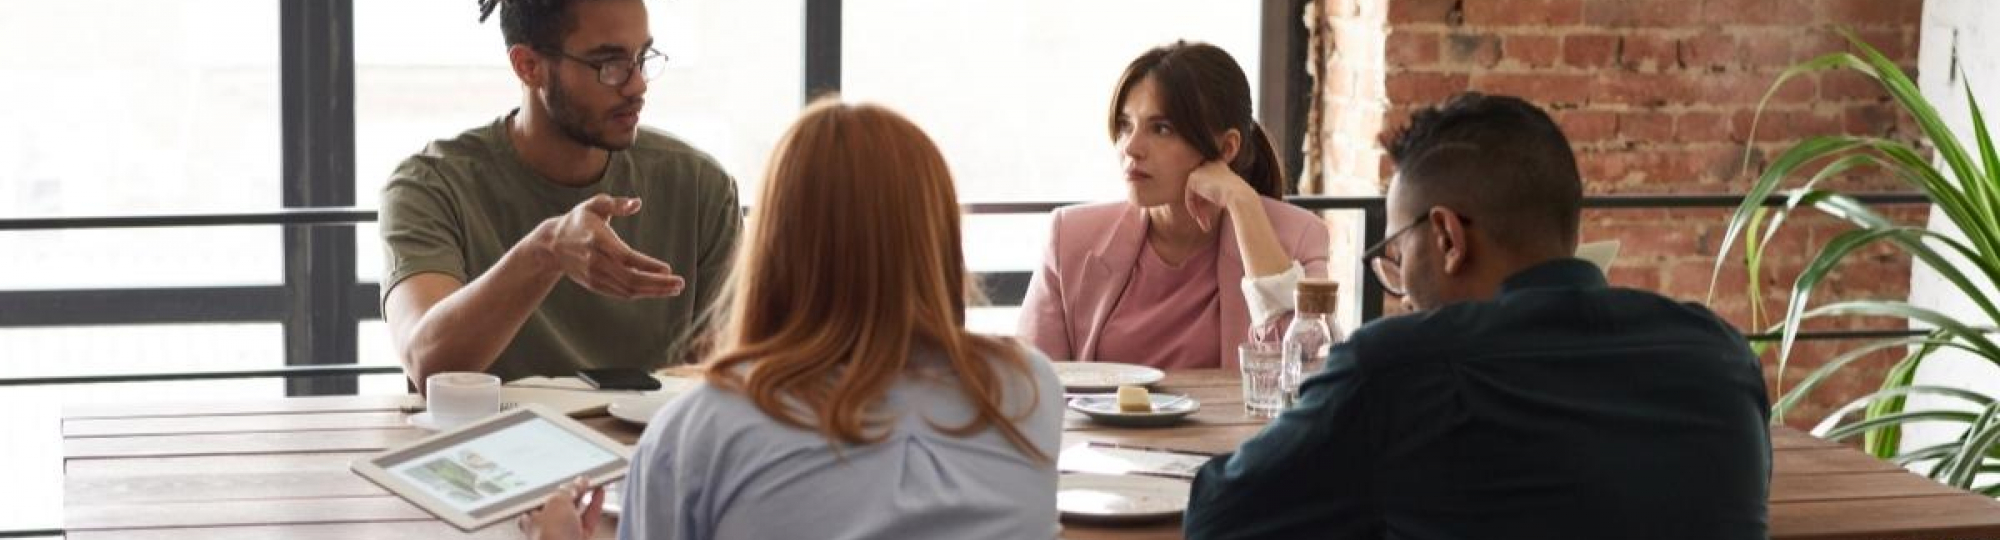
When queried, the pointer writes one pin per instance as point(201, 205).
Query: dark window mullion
point(317, 81)
point(822, 48)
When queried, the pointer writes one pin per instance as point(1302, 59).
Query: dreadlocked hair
point(539, 24)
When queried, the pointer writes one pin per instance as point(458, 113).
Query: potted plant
point(1963, 185)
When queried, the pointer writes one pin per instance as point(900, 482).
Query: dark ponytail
point(1258, 163)
point(1205, 94)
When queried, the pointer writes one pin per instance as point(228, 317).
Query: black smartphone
point(619, 379)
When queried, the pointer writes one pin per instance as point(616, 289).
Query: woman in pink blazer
point(1203, 253)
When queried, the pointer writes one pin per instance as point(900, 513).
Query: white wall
point(1965, 35)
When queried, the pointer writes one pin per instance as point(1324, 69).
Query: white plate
point(1106, 498)
point(421, 420)
point(637, 409)
point(1102, 376)
point(1168, 409)
point(640, 409)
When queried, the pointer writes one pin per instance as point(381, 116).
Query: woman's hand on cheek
point(1211, 188)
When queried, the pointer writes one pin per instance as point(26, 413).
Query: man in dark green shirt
point(519, 248)
point(1524, 398)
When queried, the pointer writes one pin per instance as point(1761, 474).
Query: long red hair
point(851, 257)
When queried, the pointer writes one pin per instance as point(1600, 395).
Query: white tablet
point(498, 467)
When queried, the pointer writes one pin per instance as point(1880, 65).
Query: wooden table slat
point(246, 423)
point(1872, 485)
point(1826, 461)
point(294, 511)
point(214, 478)
point(361, 440)
point(390, 530)
point(297, 405)
point(1958, 515)
point(278, 469)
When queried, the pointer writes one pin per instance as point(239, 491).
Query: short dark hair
point(540, 24)
point(1498, 159)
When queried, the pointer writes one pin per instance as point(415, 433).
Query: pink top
point(1168, 317)
point(1092, 251)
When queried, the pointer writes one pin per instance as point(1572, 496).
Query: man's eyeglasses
point(618, 71)
point(1388, 269)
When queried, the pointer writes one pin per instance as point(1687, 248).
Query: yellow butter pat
point(1134, 399)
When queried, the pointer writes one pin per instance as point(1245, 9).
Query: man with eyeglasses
point(520, 248)
point(1524, 397)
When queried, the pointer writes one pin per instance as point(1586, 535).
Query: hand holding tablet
point(498, 467)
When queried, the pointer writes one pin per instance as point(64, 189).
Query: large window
point(116, 107)
point(175, 107)
point(1016, 93)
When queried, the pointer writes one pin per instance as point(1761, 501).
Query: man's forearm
point(467, 330)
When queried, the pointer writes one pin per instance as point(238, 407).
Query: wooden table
point(278, 469)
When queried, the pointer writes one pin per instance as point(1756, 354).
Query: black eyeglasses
point(1389, 270)
point(616, 72)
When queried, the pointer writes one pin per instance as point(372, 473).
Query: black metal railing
point(275, 303)
point(272, 303)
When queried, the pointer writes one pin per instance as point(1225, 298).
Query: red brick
point(1424, 88)
point(1706, 127)
point(1532, 51)
point(1845, 85)
point(1711, 50)
point(1543, 89)
point(1642, 277)
point(1649, 52)
point(1810, 43)
point(1870, 120)
point(1749, 12)
point(1735, 90)
point(1869, 12)
point(1590, 50)
point(1599, 169)
point(1767, 49)
point(1648, 89)
point(1587, 126)
point(1412, 48)
point(1480, 50)
point(1406, 12)
point(1646, 127)
point(1731, 167)
point(1640, 13)
point(1493, 13)
point(1895, 43)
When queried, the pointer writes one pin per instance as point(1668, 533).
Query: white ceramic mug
point(456, 397)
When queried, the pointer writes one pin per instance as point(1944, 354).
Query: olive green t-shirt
point(459, 205)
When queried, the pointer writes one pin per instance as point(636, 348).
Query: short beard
point(569, 118)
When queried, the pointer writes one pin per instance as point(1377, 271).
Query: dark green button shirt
point(1563, 408)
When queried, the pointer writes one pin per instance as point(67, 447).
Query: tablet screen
point(488, 472)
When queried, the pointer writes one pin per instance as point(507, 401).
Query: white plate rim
point(1193, 406)
point(1140, 375)
point(1179, 491)
point(629, 408)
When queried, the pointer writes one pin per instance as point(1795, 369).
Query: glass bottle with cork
point(1311, 333)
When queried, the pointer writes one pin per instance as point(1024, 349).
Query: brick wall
point(1658, 97)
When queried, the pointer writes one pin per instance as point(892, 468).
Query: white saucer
point(1167, 410)
point(639, 409)
point(421, 420)
point(1103, 376)
point(1110, 498)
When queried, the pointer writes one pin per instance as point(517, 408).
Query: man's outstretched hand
point(585, 248)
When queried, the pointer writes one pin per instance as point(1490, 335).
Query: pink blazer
point(1091, 251)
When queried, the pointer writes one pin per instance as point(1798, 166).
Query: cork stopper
point(1317, 295)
